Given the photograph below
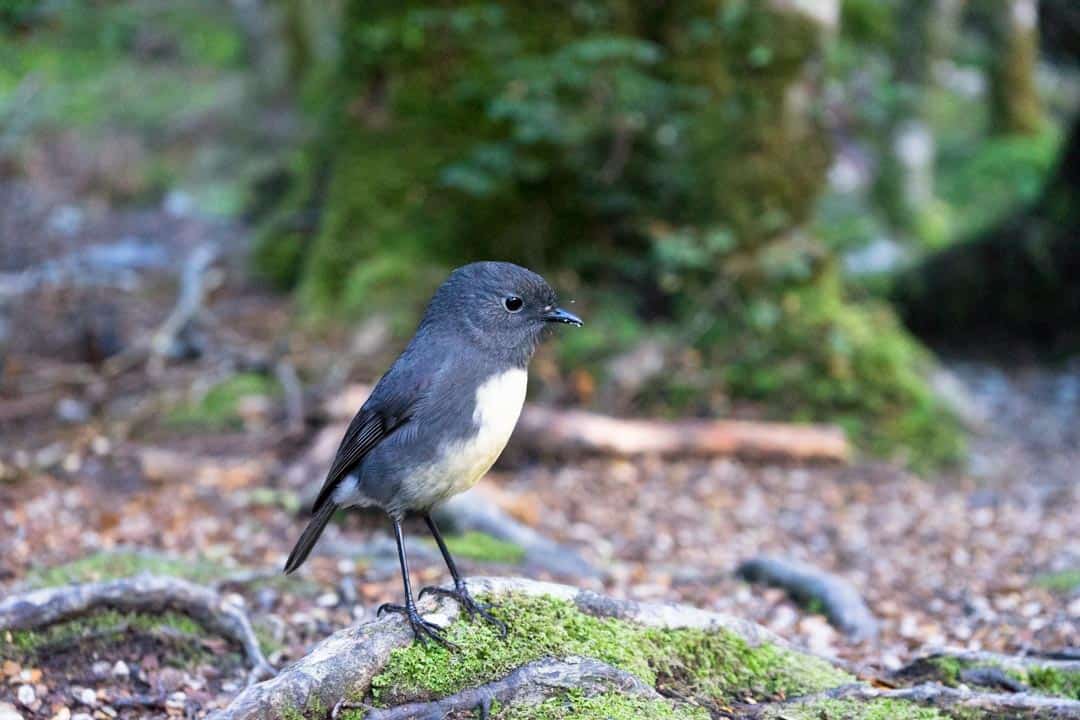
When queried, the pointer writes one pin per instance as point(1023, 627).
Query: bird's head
point(502, 307)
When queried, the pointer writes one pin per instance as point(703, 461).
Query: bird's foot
point(466, 601)
point(422, 629)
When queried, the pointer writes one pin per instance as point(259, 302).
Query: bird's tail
point(309, 536)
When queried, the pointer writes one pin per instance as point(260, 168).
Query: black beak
point(562, 316)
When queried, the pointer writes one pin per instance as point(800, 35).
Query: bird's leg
point(460, 591)
point(422, 629)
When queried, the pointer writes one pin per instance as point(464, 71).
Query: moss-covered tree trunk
point(1015, 104)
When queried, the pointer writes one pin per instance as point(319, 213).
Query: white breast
point(498, 404)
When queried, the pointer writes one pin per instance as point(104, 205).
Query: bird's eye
point(514, 303)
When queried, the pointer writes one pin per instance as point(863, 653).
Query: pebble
point(327, 600)
point(26, 695)
point(8, 712)
point(86, 696)
point(120, 669)
point(63, 713)
point(100, 668)
point(81, 716)
point(177, 700)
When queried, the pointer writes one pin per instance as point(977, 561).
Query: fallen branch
point(532, 683)
point(558, 432)
point(177, 337)
point(548, 430)
point(807, 585)
point(141, 593)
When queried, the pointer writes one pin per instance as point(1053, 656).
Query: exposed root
point(141, 593)
point(531, 683)
point(976, 704)
point(838, 598)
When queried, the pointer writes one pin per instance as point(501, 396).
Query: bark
point(532, 683)
point(1014, 94)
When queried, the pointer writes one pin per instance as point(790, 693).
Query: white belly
point(498, 406)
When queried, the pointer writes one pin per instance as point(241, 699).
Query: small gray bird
point(441, 416)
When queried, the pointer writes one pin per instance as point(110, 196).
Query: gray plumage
point(441, 414)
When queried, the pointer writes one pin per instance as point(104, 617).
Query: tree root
point(532, 683)
point(1011, 706)
point(141, 593)
point(839, 599)
point(344, 664)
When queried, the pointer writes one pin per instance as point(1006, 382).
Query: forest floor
point(100, 476)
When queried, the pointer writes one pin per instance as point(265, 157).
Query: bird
point(435, 423)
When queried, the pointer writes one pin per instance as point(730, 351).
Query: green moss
point(485, 548)
point(1043, 679)
point(609, 706)
point(106, 627)
point(716, 665)
point(1064, 581)
point(1053, 681)
point(218, 407)
point(123, 563)
point(854, 710)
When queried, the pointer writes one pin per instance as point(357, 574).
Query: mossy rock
point(1053, 678)
point(714, 664)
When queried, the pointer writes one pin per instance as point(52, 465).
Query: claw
point(460, 593)
point(422, 629)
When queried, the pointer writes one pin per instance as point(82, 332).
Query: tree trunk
point(1018, 281)
point(1014, 95)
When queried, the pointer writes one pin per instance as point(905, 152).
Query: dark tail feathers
point(310, 536)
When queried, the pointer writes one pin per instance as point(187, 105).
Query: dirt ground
point(89, 464)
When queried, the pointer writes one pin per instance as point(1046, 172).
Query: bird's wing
point(387, 410)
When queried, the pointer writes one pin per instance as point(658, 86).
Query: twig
point(531, 683)
point(838, 598)
point(141, 593)
point(174, 339)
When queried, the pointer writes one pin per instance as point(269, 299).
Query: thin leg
point(460, 591)
point(422, 629)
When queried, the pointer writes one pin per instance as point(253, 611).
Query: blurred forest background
point(218, 220)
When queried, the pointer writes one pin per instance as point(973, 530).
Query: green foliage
point(715, 664)
point(485, 548)
point(663, 154)
point(985, 182)
point(217, 408)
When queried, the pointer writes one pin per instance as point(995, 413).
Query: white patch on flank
point(347, 493)
point(498, 404)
